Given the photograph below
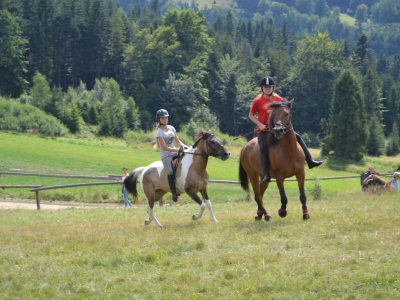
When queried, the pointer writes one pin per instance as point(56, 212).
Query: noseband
point(286, 127)
point(214, 151)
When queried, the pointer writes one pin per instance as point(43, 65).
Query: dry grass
point(348, 250)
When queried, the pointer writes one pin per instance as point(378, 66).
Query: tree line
point(90, 62)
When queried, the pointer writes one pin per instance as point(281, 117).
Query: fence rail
point(38, 188)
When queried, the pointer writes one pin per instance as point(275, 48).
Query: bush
point(23, 117)
point(316, 190)
point(133, 138)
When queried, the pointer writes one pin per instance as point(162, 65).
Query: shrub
point(23, 117)
point(316, 190)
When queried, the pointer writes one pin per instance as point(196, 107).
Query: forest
point(109, 65)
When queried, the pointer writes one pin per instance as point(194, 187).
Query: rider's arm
point(179, 142)
point(254, 119)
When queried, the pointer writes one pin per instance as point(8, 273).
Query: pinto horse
point(286, 160)
point(191, 175)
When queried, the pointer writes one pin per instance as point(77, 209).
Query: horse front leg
point(193, 195)
point(303, 198)
point(282, 211)
point(208, 204)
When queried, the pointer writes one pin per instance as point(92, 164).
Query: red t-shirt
point(259, 107)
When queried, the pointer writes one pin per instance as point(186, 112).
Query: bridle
point(286, 127)
point(181, 152)
point(214, 151)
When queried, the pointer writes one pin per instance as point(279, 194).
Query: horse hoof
point(267, 218)
point(257, 218)
point(282, 213)
point(146, 222)
point(306, 217)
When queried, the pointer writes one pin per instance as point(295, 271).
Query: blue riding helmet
point(162, 113)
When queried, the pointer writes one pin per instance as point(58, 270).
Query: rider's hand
point(263, 127)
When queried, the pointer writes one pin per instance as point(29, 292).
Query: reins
point(181, 153)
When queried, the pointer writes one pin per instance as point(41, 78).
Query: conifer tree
point(393, 145)
point(74, 124)
point(132, 115)
point(105, 123)
point(41, 93)
point(376, 137)
point(372, 94)
point(346, 130)
point(93, 115)
point(12, 49)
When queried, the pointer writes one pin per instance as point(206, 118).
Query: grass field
point(348, 250)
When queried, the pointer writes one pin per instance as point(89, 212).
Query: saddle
point(175, 161)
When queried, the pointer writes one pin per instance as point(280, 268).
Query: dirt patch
point(11, 203)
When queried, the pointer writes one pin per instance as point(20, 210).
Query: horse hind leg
point(151, 197)
point(258, 190)
point(151, 217)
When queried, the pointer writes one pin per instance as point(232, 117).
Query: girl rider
point(259, 115)
point(166, 135)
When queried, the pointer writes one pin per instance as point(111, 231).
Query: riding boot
point(310, 161)
point(171, 182)
point(265, 167)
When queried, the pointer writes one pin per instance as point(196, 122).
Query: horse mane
point(285, 102)
point(202, 134)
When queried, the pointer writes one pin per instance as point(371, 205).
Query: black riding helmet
point(161, 113)
point(267, 81)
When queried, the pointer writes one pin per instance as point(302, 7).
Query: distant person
point(124, 191)
point(393, 185)
point(374, 183)
point(166, 135)
point(259, 115)
point(371, 170)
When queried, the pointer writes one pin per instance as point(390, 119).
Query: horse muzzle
point(278, 132)
point(224, 156)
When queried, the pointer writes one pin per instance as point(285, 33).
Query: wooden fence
point(38, 188)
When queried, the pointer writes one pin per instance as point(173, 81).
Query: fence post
point(37, 200)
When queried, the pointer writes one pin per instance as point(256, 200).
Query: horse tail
point(244, 180)
point(131, 181)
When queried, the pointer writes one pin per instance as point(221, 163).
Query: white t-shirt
point(169, 137)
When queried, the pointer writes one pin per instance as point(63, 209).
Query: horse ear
point(290, 103)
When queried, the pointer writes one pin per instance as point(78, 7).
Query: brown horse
point(191, 175)
point(286, 160)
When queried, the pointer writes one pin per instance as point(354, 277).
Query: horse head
point(280, 120)
point(210, 145)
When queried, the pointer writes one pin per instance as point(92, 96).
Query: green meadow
point(103, 157)
point(348, 250)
